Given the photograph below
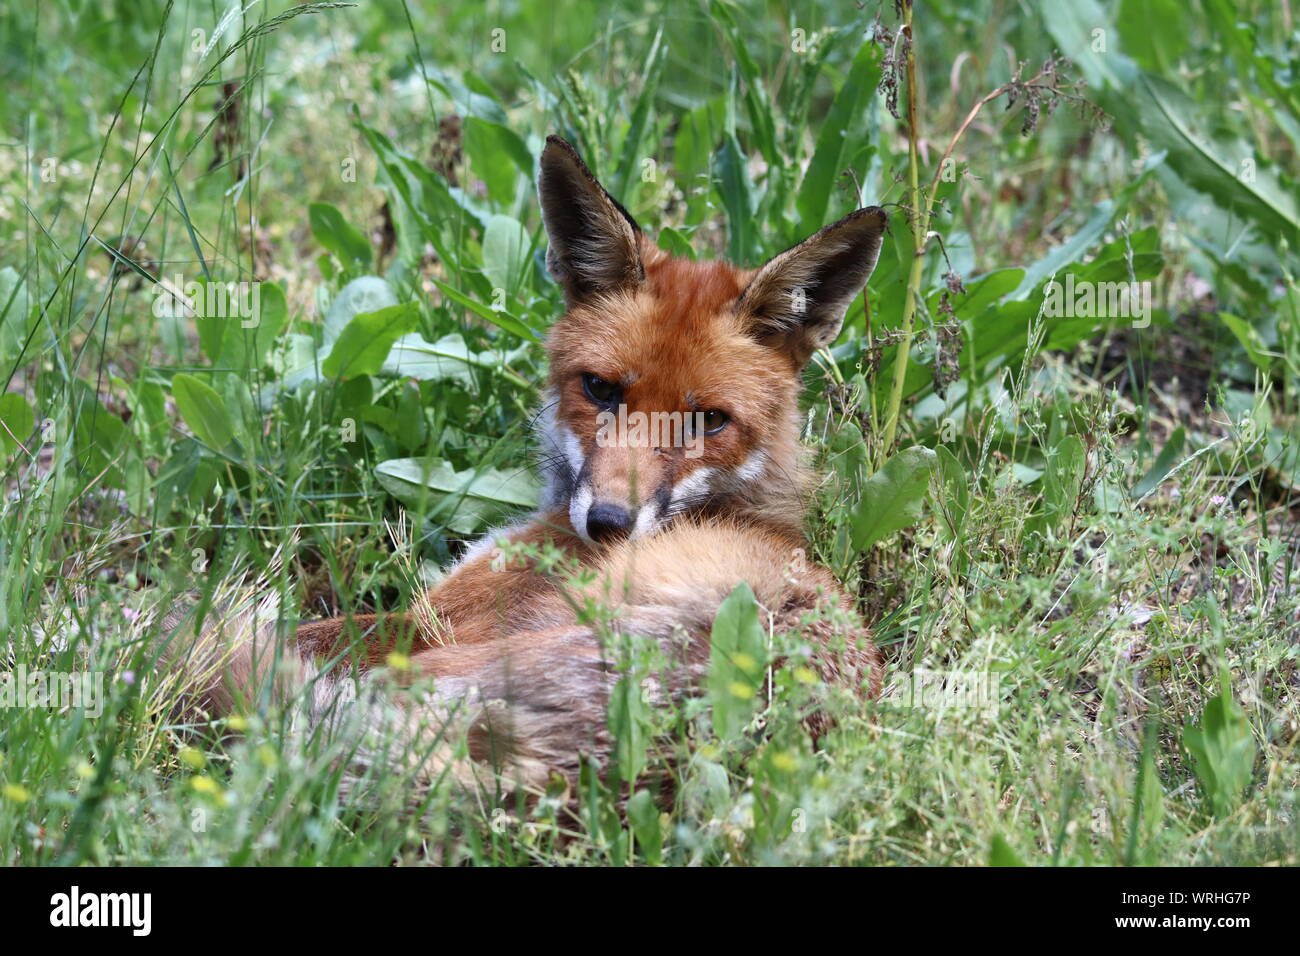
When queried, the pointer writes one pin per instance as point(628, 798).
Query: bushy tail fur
point(511, 711)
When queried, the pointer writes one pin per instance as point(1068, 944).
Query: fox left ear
point(798, 300)
point(594, 246)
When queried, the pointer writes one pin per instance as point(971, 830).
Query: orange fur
point(671, 335)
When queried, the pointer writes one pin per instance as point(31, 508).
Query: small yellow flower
point(785, 760)
point(399, 661)
point(745, 662)
point(205, 785)
point(237, 722)
point(740, 691)
point(805, 675)
point(16, 793)
point(266, 753)
point(192, 758)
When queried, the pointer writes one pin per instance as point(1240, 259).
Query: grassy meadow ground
point(1087, 586)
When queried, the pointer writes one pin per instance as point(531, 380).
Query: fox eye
point(714, 421)
point(600, 391)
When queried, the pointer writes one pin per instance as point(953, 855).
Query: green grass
point(1105, 549)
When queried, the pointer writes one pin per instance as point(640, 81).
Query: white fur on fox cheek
point(572, 450)
point(696, 483)
point(582, 497)
point(752, 467)
point(647, 519)
point(579, 505)
point(558, 442)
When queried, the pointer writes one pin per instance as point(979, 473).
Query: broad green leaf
point(463, 500)
point(298, 361)
point(848, 452)
point(500, 318)
point(1001, 853)
point(645, 819)
point(363, 294)
point(150, 421)
point(1282, 454)
point(892, 497)
point(490, 141)
point(981, 292)
point(468, 102)
point(1063, 479)
point(137, 483)
point(1073, 24)
point(238, 323)
point(103, 443)
point(1154, 49)
point(338, 235)
point(1223, 751)
point(411, 429)
point(956, 487)
point(1025, 474)
point(218, 307)
point(448, 358)
point(366, 340)
point(238, 402)
point(629, 725)
point(675, 243)
point(17, 419)
point(185, 480)
point(203, 410)
point(1154, 110)
point(505, 252)
point(492, 153)
point(737, 662)
point(1222, 168)
point(1250, 341)
point(246, 343)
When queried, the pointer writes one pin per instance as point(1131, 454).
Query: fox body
point(704, 489)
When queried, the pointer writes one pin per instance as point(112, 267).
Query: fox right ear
point(797, 301)
point(593, 242)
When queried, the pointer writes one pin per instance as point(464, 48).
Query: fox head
point(673, 383)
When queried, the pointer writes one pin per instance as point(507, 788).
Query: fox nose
point(607, 522)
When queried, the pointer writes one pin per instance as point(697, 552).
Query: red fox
point(666, 520)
